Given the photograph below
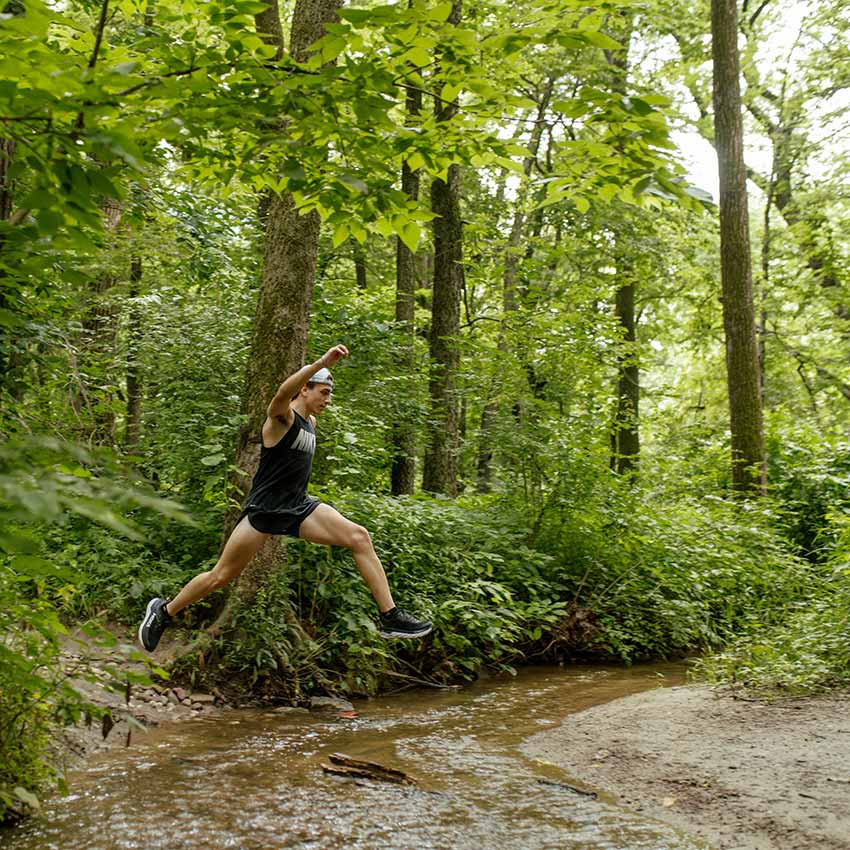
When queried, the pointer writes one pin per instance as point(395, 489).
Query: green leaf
point(581, 203)
point(8, 319)
point(358, 231)
point(572, 108)
point(410, 234)
point(440, 12)
point(355, 183)
point(451, 91)
point(39, 199)
point(599, 39)
point(341, 234)
point(213, 460)
point(383, 226)
point(35, 567)
point(418, 56)
point(356, 16)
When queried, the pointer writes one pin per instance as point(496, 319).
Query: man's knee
point(220, 576)
point(359, 539)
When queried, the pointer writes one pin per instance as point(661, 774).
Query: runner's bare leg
point(328, 527)
point(244, 542)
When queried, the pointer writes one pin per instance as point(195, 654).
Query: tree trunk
point(279, 335)
point(625, 434)
point(441, 470)
point(625, 438)
point(440, 473)
point(748, 465)
point(359, 254)
point(134, 339)
point(403, 472)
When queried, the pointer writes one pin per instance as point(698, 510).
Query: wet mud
point(739, 775)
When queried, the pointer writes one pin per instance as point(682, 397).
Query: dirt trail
point(741, 775)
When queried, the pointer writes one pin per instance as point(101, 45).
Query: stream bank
point(741, 775)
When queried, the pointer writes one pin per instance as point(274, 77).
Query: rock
point(180, 693)
point(203, 698)
point(332, 703)
point(289, 709)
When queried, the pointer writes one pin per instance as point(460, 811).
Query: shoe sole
point(144, 620)
point(420, 633)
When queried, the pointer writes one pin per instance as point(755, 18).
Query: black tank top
point(280, 485)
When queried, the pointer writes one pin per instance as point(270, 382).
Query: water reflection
point(252, 780)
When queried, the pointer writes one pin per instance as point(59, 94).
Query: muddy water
point(252, 780)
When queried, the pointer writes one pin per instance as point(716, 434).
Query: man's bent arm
point(279, 406)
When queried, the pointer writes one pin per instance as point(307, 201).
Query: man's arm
point(279, 406)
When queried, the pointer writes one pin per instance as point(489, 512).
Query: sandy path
point(740, 775)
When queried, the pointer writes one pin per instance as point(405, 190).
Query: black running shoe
point(400, 624)
point(157, 620)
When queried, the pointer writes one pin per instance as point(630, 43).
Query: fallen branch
point(567, 787)
point(343, 765)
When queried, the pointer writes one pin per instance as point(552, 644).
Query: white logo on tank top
point(305, 442)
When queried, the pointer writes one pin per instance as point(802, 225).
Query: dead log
point(343, 765)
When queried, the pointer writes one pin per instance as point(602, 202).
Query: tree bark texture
point(440, 472)
point(403, 471)
point(745, 411)
point(360, 267)
point(441, 457)
point(625, 438)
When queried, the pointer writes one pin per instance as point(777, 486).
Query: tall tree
point(279, 333)
point(625, 435)
point(440, 473)
point(92, 392)
point(742, 366)
point(403, 472)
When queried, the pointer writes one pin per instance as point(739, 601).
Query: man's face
point(317, 397)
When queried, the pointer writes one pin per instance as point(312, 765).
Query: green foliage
point(808, 650)
point(44, 482)
point(314, 624)
point(810, 478)
point(646, 578)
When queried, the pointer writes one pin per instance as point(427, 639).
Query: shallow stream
point(252, 779)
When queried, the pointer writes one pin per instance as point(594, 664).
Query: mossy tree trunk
point(279, 334)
